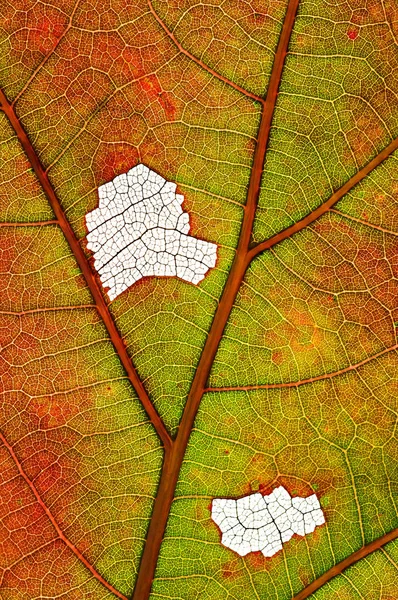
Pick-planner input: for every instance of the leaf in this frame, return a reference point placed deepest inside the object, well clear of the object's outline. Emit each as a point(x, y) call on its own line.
point(123, 420)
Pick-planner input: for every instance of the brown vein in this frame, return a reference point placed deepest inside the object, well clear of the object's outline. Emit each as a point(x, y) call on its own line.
point(362, 222)
point(173, 460)
point(323, 208)
point(344, 564)
point(88, 274)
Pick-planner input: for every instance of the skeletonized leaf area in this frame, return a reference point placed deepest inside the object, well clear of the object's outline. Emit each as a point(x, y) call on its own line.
point(263, 523)
point(140, 229)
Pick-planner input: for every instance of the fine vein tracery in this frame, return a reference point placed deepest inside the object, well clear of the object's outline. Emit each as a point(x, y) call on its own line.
point(174, 450)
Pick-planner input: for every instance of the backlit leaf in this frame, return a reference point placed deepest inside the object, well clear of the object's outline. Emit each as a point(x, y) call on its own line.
point(122, 420)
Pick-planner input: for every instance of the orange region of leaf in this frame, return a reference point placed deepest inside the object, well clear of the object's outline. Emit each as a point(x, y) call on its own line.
point(295, 487)
point(24, 525)
point(55, 411)
point(363, 137)
point(369, 312)
point(265, 489)
point(362, 14)
point(107, 47)
point(45, 33)
point(45, 26)
point(54, 563)
point(231, 569)
point(113, 160)
point(258, 562)
point(250, 146)
point(153, 152)
point(304, 576)
point(154, 92)
point(258, 18)
point(53, 472)
point(55, 524)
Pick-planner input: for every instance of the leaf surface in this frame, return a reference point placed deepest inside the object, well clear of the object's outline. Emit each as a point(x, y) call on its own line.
point(278, 123)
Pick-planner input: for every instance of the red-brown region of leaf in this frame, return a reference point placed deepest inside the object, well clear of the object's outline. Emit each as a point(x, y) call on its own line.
point(114, 159)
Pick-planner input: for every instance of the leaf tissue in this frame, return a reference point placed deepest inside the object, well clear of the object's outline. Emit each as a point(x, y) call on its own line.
point(198, 298)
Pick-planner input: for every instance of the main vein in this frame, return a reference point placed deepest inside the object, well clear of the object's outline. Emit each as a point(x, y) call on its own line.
point(173, 459)
point(88, 274)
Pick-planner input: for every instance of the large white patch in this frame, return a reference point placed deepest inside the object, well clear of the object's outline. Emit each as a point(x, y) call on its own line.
point(263, 523)
point(139, 229)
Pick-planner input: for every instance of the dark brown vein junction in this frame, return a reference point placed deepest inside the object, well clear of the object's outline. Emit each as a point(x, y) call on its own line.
point(173, 459)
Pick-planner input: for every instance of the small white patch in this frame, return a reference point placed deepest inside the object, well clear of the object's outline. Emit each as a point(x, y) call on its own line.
point(139, 229)
point(263, 523)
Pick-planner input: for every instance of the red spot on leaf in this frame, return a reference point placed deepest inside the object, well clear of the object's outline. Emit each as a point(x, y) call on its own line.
point(250, 146)
point(304, 575)
point(258, 18)
point(352, 34)
point(143, 290)
point(256, 559)
point(277, 357)
point(154, 92)
point(258, 562)
point(231, 569)
point(45, 33)
point(57, 411)
point(296, 487)
point(265, 490)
